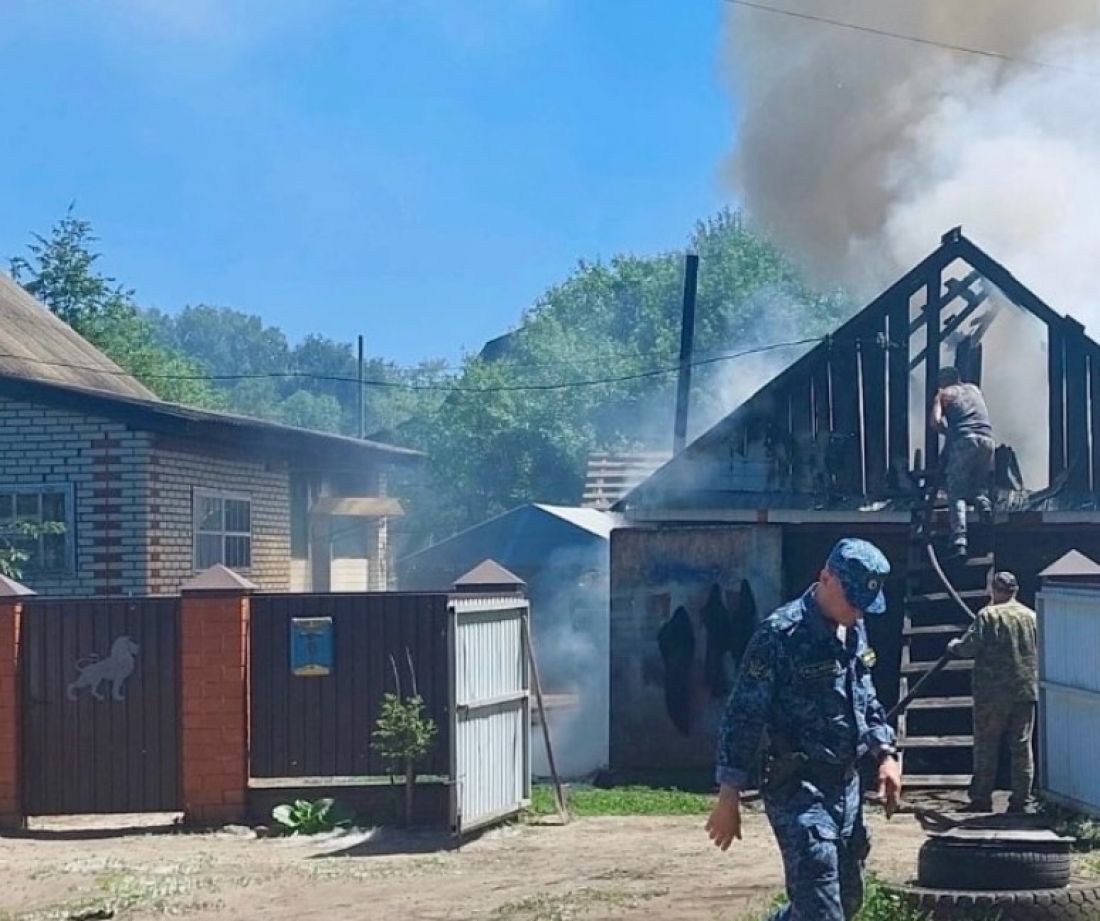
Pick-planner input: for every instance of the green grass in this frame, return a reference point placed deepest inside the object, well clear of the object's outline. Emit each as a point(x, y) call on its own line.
point(878, 905)
point(623, 801)
point(1074, 825)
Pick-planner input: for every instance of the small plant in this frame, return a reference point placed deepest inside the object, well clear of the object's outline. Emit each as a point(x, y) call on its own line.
point(404, 736)
point(305, 818)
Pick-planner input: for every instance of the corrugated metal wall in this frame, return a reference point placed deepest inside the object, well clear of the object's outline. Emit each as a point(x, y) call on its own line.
point(321, 727)
point(1069, 696)
point(491, 757)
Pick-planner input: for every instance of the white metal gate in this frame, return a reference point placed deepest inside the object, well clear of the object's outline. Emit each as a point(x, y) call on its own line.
point(491, 732)
point(1069, 695)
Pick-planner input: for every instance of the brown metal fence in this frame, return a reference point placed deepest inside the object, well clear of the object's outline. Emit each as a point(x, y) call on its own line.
point(100, 683)
point(321, 726)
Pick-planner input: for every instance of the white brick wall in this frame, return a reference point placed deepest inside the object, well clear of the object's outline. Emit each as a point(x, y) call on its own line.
point(104, 463)
point(132, 500)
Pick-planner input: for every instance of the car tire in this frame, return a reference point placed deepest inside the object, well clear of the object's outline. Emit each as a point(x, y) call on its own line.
point(1079, 901)
point(951, 865)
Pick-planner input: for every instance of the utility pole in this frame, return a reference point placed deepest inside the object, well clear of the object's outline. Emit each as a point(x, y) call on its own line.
point(687, 345)
point(359, 404)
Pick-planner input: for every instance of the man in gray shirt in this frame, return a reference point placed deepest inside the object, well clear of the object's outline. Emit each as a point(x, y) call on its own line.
point(959, 411)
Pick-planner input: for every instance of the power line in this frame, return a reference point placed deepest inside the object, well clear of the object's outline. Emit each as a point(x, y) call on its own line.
point(443, 388)
point(900, 36)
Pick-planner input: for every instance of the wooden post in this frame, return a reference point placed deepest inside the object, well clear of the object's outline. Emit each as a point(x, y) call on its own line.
point(931, 366)
point(1056, 381)
point(687, 341)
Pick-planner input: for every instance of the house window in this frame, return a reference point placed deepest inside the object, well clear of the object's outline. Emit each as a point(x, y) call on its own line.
point(48, 510)
point(223, 529)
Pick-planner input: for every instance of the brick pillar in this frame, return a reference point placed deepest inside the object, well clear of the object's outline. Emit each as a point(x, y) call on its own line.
point(214, 674)
point(12, 595)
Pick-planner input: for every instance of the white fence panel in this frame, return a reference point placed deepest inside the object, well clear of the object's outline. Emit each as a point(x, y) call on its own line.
point(1069, 695)
point(492, 712)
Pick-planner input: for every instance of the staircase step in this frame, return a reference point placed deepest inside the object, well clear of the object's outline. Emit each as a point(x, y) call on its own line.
point(941, 703)
point(971, 561)
point(936, 742)
point(910, 630)
point(936, 780)
point(937, 597)
point(958, 665)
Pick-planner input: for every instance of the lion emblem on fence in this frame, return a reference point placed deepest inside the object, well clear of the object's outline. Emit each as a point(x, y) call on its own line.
point(92, 671)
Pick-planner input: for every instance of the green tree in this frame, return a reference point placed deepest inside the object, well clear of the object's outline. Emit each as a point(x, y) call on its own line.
point(61, 272)
point(491, 447)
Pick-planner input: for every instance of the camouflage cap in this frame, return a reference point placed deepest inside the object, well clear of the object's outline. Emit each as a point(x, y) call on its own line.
point(862, 570)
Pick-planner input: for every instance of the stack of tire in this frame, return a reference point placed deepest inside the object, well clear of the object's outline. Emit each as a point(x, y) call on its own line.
point(971, 877)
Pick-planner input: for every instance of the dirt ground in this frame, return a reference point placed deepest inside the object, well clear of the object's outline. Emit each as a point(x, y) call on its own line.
point(653, 868)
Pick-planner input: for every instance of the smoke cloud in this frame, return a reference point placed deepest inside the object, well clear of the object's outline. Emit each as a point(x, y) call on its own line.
point(857, 151)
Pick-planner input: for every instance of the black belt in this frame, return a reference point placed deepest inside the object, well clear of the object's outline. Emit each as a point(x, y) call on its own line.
point(797, 766)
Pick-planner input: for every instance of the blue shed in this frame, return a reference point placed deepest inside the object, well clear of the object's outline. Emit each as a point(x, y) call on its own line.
point(562, 553)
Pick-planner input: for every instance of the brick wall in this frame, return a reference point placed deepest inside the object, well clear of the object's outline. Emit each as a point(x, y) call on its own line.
point(106, 467)
point(176, 469)
point(214, 702)
point(132, 500)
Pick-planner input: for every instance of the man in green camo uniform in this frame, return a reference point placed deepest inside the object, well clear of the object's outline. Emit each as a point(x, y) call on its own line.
point(1003, 643)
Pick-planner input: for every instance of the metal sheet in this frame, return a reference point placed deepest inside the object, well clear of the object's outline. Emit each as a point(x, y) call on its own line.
point(1069, 708)
point(101, 706)
point(492, 761)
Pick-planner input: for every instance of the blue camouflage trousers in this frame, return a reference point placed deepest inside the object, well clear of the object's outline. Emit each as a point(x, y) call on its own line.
point(824, 843)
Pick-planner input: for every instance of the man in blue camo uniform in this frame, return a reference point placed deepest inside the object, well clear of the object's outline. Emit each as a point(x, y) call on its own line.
point(805, 689)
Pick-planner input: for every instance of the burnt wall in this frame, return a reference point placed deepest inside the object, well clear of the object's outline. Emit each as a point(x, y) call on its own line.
point(684, 601)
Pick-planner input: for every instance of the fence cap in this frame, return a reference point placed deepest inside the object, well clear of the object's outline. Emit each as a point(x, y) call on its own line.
point(1074, 565)
point(219, 578)
point(9, 588)
point(489, 576)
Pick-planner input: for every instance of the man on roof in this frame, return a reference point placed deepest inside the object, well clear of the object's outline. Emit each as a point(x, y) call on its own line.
point(960, 413)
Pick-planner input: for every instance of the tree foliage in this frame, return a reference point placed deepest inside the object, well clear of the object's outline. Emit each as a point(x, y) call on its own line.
point(61, 272)
point(494, 449)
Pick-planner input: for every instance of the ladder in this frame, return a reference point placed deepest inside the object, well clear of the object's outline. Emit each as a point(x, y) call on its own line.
point(935, 732)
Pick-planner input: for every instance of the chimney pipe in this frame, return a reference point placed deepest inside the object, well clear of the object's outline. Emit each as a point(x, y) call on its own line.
point(687, 345)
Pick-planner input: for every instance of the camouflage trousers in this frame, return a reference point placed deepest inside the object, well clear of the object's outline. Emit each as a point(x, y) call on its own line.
point(968, 470)
point(824, 844)
point(995, 720)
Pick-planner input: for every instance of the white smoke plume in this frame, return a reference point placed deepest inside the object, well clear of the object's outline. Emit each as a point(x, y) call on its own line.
point(858, 150)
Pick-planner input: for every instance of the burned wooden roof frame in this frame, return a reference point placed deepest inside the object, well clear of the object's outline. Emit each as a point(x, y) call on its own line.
point(840, 413)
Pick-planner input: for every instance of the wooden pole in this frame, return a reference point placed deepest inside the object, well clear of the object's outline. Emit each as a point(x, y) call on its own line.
point(559, 795)
point(359, 394)
point(687, 345)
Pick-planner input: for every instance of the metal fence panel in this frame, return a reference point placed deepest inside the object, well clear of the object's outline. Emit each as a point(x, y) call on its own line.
point(100, 682)
point(321, 726)
point(1069, 696)
point(492, 745)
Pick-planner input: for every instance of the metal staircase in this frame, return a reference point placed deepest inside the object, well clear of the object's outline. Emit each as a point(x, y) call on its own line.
point(935, 732)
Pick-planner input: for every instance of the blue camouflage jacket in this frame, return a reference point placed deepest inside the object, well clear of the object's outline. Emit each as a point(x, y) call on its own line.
point(801, 684)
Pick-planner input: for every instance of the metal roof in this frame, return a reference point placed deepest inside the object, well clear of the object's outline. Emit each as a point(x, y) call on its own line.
point(204, 425)
point(36, 345)
point(591, 520)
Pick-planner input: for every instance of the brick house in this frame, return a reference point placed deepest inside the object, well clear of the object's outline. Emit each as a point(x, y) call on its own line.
point(149, 493)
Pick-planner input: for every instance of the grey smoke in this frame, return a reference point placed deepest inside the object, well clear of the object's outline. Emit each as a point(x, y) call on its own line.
point(857, 151)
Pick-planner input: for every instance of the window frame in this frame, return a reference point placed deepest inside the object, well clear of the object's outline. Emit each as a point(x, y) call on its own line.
point(222, 495)
point(68, 494)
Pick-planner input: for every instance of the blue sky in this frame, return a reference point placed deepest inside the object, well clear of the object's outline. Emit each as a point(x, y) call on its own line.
point(415, 170)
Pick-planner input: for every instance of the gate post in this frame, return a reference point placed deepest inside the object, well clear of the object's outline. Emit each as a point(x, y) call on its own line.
point(12, 595)
point(214, 619)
